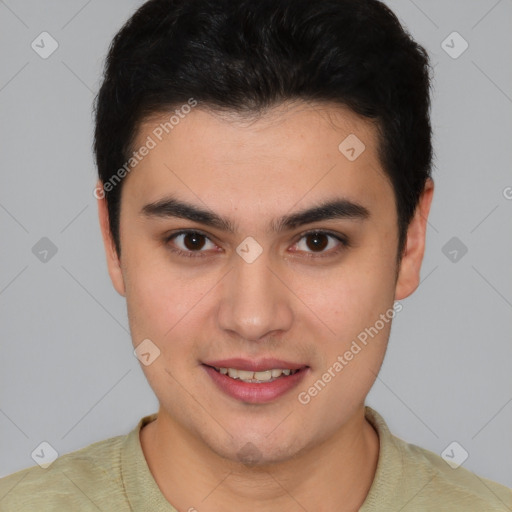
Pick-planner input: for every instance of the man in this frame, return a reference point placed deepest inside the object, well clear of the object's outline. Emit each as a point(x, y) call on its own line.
point(263, 198)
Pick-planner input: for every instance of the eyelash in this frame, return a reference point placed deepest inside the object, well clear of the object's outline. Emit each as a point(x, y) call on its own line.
point(198, 254)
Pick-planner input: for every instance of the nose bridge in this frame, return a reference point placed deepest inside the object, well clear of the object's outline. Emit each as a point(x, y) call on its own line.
point(254, 301)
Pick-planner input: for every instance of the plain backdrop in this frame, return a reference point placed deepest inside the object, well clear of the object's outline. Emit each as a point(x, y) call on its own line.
point(68, 375)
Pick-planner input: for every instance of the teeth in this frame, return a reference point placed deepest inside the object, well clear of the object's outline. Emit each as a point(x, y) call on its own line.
point(247, 376)
point(233, 373)
point(241, 374)
point(263, 376)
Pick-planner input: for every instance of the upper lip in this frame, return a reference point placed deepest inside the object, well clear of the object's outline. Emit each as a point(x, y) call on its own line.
point(252, 365)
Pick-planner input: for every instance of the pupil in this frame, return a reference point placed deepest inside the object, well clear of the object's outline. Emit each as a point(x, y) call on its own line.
point(195, 243)
point(317, 244)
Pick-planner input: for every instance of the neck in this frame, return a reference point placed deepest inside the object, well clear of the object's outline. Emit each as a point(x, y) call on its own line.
point(334, 475)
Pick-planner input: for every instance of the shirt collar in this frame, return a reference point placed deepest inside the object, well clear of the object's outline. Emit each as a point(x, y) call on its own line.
point(144, 494)
point(140, 487)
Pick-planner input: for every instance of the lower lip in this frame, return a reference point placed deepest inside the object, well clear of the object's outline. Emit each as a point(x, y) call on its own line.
point(252, 392)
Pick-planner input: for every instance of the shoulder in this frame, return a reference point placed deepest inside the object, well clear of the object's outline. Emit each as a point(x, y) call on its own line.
point(460, 488)
point(415, 478)
point(80, 480)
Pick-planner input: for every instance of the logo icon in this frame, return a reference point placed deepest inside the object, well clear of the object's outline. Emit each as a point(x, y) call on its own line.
point(44, 455)
point(454, 455)
point(249, 249)
point(44, 250)
point(454, 45)
point(352, 147)
point(146, 352)
point(454, 249)
point(44, 45)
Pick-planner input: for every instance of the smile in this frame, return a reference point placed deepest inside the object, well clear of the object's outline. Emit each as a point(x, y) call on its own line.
point(262, 376)
point(255, 387)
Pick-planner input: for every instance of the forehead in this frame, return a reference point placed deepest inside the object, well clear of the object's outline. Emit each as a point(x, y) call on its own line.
point(288, 122)
point(291, 153)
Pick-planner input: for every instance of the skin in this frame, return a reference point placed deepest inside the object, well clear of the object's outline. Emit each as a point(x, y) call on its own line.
point(320, 456)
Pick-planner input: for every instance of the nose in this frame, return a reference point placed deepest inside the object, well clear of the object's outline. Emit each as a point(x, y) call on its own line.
point(255, 303)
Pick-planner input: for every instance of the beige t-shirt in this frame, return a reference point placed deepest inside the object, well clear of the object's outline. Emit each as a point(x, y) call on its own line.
point(112, 475)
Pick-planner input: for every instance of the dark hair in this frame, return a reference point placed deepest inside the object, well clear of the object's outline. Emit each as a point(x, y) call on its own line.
point(245, 56)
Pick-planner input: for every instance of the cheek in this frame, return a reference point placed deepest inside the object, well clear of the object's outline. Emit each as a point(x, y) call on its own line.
point(153, 302)
point(359, 291)
point(163, 301)
point(149, 303)
point(359, 294)
point(161, 308)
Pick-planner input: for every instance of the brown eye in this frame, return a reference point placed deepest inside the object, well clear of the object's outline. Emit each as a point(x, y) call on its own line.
point(317, 241)
point(321, 243)
point(189, 243)
point(193, 241)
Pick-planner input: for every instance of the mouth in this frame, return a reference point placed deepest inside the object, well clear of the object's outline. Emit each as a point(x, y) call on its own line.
point(269, 375)
point(261, 385)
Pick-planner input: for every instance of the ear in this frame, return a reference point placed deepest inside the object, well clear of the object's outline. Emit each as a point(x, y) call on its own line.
point(113, 261)
point(410, 266)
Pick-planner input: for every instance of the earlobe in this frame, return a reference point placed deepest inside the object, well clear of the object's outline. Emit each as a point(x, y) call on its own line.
point(410, 266)
point(113, 262)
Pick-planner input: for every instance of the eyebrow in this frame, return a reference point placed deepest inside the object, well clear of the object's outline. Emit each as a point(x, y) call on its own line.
point(338, 208)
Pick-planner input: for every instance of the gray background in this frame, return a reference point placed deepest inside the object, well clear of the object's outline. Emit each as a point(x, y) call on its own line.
point(67, 371)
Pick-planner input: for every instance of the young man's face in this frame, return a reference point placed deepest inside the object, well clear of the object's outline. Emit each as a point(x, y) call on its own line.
point(261, 292)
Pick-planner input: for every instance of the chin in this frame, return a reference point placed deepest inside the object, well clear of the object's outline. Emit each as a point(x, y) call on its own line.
point(258, 452)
